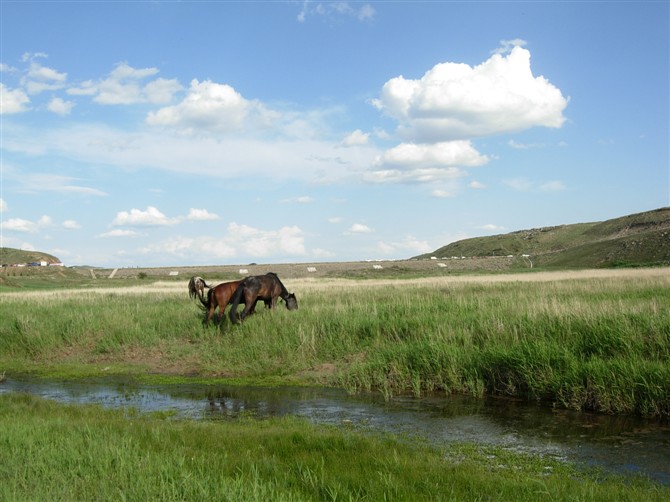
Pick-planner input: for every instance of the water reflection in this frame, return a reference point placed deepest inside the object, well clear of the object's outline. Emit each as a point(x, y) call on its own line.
point(621, 444)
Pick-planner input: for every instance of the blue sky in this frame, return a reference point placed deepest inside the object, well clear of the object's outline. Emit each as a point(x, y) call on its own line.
point(194, 133)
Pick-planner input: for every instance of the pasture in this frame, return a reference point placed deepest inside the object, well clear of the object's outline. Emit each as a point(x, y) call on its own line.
point(591, 340)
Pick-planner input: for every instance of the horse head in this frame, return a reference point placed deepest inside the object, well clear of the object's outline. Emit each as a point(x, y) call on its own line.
point(291, 302)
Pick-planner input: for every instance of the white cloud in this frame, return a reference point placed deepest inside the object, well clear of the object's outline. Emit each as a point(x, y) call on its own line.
point(421, 175)
point(19, 225)
point(45, 182)
point(124, 86)
point(456, 101)
point(258, 243)
point(119, 233)
point(26, 226)
point(304, 199)
point(443, 154)
point(40, 78)
point(331, 10)
point(201, 215)
point(424, 163)
point(217, 156)
point(60, 107)
point(355, 138)
point(152, 217)
point(71, 225)
point(523, 146)
point(238, 240)
point(441, 194)
point(477, 185)
point(211, 107)
point(359, 228)
point(409, 243)
point(3, 206)
point(490, 227)
point(12, 100)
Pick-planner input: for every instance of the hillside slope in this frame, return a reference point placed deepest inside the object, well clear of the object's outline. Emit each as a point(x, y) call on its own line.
point(633, 240)
point(11, 256)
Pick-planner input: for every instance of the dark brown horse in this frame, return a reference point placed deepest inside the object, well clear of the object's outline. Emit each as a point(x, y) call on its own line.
point(266, 287)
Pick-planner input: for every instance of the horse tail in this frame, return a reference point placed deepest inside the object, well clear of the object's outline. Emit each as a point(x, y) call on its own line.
point(206, 303)
point(235, 301)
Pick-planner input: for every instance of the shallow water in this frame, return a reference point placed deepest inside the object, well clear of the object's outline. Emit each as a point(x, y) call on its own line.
point(626, 445)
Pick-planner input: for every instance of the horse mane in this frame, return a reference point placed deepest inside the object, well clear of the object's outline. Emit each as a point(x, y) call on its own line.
point(284, 292)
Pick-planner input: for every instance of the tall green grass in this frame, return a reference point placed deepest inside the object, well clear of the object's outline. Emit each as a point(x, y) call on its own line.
point(66, 453)
point(593, 344)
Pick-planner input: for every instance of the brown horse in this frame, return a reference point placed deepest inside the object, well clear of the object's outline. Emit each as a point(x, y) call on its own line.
point(218, 296)
point(266, 287)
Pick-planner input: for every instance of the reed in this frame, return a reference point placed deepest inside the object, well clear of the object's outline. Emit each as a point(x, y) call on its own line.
point(598, 342)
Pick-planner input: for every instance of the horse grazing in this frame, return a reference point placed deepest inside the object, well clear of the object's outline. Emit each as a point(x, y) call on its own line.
point(196, 287)
point(266, 287)
point(218, 296)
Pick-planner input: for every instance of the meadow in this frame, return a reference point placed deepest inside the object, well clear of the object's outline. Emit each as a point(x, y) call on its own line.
point(595, 340)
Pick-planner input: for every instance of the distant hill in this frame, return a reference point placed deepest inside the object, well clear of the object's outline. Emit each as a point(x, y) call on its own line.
point(636, 240)
point(11, 256)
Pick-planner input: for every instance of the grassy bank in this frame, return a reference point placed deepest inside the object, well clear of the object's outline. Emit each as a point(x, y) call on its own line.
point(599, 343)
point(57, 452)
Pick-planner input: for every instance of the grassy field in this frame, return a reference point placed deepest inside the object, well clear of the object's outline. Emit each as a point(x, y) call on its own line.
point(56, 452)
point(591, 340)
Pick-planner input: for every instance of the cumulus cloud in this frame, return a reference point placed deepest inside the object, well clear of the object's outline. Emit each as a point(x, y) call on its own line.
point(201, 215)
point(422, 163)
point(456, 101)
point(152, 217)
point(71, 225)
point(41, 78)
point(26, 226)
point(126, 85)
point(3, 206)
point(12, 100)
point(60, 107)
point(355, 138)
point(359, 228)
point(19, 225)
point(444, 154)
point(213, 107)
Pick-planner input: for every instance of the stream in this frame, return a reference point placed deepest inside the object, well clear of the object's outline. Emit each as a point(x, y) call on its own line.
point(622, 444)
